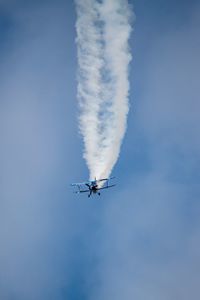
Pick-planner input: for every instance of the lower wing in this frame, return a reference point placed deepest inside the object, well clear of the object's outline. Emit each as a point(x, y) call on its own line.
point(107, 187)
point(83, 191)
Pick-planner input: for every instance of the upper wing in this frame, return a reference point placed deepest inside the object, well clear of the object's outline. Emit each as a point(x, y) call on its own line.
point(79, 183)
point(88, 182)
point(81, 187)
point(105, 179)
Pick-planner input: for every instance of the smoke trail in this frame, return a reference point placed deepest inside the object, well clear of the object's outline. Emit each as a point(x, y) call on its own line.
point(103, 29)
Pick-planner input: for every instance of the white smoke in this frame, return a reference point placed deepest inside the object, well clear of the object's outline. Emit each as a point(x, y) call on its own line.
point(103, 30)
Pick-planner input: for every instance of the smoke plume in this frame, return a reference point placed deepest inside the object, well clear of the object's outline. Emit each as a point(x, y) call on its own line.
point(103, 30)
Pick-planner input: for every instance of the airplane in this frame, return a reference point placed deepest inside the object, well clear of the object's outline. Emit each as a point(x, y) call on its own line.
point(93, 186)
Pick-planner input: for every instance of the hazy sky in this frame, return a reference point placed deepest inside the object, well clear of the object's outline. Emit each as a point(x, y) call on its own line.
point(138, 241)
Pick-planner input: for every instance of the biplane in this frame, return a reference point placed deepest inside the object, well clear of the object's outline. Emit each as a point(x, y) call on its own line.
point(93, 186)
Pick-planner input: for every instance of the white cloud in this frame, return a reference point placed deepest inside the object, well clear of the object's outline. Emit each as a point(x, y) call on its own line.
point(151, 229)
point(35, 125)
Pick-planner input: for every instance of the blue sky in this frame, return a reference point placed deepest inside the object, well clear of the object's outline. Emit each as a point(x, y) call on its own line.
point(138, 241)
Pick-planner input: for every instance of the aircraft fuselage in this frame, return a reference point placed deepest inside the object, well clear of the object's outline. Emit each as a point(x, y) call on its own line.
point(93, 188)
